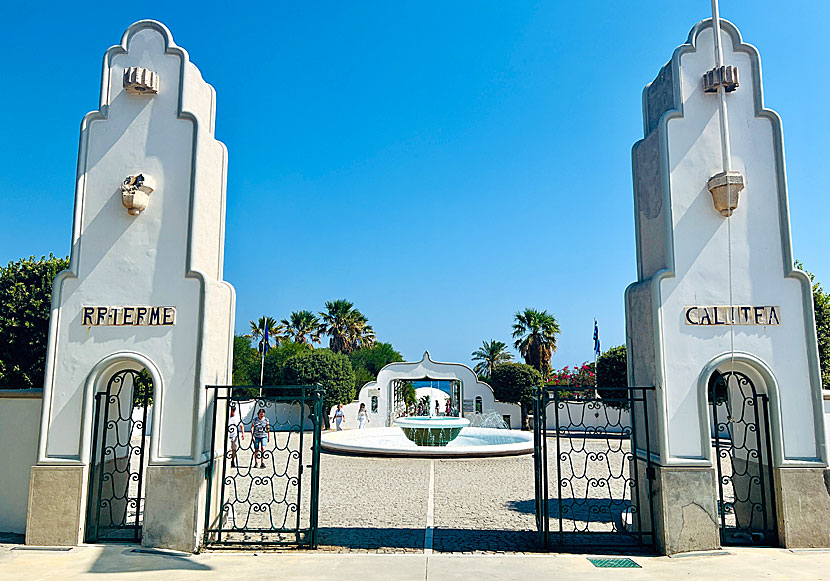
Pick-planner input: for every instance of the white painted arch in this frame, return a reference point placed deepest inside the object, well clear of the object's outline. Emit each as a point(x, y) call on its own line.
point(426, 368)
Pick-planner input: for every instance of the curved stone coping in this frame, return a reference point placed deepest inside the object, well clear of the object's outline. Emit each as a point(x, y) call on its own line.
point(392, 442)
point(427, 422)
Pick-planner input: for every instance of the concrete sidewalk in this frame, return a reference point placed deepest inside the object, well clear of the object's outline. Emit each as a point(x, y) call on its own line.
point(122, 561)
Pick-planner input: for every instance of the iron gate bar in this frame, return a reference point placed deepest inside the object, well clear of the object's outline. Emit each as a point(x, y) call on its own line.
point(643, 532)
point(94, 531)
point(309, 400)
point(755, 403)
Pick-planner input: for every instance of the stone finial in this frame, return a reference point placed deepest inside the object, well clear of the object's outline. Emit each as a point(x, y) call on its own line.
point(138, 81)
point(135, 193)
point(725, 76)
point(725, 187)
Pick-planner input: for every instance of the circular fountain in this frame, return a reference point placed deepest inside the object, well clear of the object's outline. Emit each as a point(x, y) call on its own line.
point(431, 430)
point(431, 437)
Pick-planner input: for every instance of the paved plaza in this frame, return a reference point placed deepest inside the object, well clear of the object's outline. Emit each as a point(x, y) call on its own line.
point(412, 505)
point(398, 518)
point(130, 562)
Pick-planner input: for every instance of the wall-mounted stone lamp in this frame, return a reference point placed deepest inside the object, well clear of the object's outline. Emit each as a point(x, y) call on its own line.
point(725, 187)
point(135, 193)
point(138, 81)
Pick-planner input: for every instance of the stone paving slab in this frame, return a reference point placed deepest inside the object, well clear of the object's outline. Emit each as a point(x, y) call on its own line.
point(120, 562)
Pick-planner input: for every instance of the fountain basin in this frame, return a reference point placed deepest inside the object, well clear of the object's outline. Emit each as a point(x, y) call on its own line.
point(470, 443)
point(431, 431)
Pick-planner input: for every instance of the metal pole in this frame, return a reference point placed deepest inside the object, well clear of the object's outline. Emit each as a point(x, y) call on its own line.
point(726, 150)
point(262, 370)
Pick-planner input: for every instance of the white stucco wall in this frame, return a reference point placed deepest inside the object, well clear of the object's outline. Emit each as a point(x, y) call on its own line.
point(169, 255)
point(692, 245)
point(19, 429)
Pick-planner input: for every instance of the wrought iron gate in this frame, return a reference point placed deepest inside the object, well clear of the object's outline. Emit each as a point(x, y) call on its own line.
point(741, 441)
point(601, 469)
point(115, 506)
point(260, 491)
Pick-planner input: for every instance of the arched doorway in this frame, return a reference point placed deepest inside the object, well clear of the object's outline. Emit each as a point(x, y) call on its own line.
point(743, 458)
point(120, 452)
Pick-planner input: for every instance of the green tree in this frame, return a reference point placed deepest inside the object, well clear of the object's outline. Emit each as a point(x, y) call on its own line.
point(821, 306)
point(245, 365)
point(535, 334)
point(25, 305)
point(142, 384)
point(303, 327)
point(375, 358)
point(276, 358)
point(516, 383)
point(258, 332)
point(612, 371)
point(331, 370)
point(490, 354)
point(368, 361)
point(346, 326)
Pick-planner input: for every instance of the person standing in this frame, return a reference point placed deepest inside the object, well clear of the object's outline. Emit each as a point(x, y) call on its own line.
point(236, 429)
point(339, 417)
point(362, 417)
point(261, 433)
point(437, 407)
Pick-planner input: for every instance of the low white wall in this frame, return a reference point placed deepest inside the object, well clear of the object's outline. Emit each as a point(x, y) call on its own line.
point(281, 416)
point(19, 431)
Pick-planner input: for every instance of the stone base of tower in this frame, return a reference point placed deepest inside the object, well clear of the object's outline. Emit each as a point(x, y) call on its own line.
point(57, 503)
point(803, 506)
point(174, 510)
point(685, 517)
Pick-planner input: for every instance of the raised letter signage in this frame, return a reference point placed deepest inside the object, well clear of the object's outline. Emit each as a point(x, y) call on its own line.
point(737, 315)
point(140, 316)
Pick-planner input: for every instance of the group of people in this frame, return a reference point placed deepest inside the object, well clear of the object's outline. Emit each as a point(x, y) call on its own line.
point(339, 417)
point(422, 409)
point(260, 433)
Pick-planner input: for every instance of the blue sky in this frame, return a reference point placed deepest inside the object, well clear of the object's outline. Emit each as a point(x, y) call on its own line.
point(441, 164)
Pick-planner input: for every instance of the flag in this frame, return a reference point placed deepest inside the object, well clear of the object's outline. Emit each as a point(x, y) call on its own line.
point(596, 339)
point(265, 343)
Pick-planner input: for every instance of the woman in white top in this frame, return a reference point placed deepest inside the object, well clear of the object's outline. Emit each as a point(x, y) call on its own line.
point(339, 417)
point(362, 417)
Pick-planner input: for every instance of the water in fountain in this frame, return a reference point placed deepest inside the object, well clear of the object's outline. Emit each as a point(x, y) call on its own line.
point(489, 419)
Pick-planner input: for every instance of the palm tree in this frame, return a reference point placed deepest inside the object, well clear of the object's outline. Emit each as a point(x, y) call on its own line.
point(303, 327)
point(258, 331)
point(346, 326)
point(490, 354)
point(535, 333)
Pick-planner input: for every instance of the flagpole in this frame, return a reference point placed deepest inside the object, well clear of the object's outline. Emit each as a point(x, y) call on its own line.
point(262, 371)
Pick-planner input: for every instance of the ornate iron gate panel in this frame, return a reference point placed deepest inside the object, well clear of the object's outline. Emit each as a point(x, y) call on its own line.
point(741, 442)
point(264, 481)
point(115, 507)
point(601, 469)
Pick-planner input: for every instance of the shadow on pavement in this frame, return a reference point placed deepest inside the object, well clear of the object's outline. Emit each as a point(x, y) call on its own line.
point(587, 510)
point(448, 540)
point(369, 538)
point(121, 559)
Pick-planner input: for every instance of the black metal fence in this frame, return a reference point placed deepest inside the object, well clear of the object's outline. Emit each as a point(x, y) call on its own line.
point(263, 485)
point(115, 504)
point(596, 462)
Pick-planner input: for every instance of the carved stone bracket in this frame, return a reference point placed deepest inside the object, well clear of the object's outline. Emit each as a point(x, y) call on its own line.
point(138, 81)
point(725, 76)
point(135, 193)
point(725, 187)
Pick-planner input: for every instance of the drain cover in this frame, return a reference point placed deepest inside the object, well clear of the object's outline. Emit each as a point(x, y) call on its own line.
point(625, 563)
